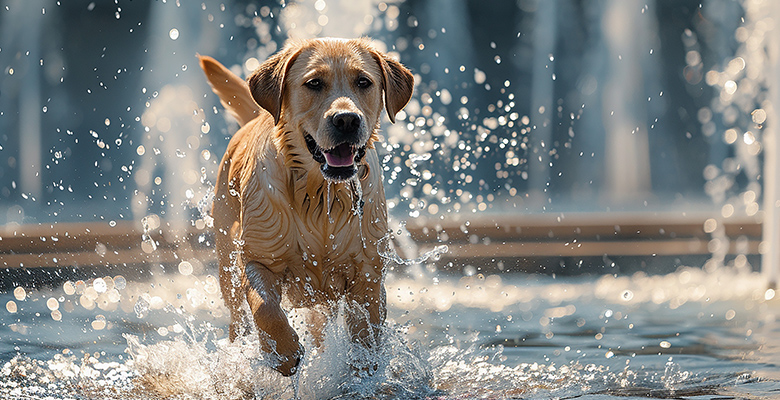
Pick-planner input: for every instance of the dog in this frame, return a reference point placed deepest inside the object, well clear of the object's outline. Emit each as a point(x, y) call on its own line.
point(299, 206)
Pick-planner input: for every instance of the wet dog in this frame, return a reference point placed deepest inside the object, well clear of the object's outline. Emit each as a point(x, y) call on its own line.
point(299, 206)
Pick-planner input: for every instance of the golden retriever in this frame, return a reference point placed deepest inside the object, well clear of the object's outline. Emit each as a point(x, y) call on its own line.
point(299, 205)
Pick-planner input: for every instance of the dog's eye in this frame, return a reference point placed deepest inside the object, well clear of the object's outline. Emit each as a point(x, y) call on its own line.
point(364, 82)
point(314, 84)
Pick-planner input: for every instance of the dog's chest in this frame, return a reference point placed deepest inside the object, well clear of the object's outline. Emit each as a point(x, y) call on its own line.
point(330, 227)
point(317, 230)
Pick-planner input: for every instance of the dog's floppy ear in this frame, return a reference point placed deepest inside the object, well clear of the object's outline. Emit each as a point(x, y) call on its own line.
point(397, 82)
point(267, 82)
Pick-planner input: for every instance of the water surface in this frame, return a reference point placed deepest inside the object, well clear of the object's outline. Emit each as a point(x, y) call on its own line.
point(691, 334)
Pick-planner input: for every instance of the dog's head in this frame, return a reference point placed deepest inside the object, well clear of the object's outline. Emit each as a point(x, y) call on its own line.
point(331, 92)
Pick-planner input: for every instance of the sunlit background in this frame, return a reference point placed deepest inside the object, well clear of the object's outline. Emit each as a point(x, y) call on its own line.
point(628, 144)
point(519, 106)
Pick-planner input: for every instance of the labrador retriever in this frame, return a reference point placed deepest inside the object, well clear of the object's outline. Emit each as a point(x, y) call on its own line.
point(299, 205)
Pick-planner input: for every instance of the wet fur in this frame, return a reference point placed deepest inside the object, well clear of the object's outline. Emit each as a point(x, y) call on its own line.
point(274, 234)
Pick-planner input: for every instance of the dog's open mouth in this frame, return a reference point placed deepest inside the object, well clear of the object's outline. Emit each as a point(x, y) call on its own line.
point(338, 163)
point(342, 155)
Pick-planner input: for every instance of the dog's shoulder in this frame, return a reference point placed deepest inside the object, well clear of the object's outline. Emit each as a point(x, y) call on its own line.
point(252, 149)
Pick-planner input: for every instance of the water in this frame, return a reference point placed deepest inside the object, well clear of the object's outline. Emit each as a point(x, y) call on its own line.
point(690, 334)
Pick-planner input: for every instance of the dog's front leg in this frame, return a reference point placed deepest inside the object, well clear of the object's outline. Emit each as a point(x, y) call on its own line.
point(366, 313)
point(277, 337)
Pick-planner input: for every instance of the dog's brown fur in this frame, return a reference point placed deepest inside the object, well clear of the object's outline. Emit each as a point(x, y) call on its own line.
point(274, 233)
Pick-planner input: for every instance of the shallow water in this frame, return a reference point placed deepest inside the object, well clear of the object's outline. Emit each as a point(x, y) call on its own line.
point(690, 334)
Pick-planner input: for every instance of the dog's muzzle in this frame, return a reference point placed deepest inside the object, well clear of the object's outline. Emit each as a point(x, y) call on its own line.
point(338, 163)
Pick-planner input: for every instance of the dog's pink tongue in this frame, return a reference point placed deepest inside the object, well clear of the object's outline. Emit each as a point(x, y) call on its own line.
point(341, 156)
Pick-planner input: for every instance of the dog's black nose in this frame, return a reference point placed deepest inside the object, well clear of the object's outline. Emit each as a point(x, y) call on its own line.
point(346, 122)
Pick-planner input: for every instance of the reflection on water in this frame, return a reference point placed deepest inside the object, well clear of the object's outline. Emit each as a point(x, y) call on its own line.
point(686, 334)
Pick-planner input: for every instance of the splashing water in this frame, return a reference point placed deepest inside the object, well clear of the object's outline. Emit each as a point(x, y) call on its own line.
point(388, 253)
point(141, 307)
point(149, 223)
point(205, 203)
point(327, 201)
point(357, 206)
point(235, 268)
point(207, 368)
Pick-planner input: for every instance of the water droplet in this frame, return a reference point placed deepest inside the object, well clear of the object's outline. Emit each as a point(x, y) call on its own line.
point(120, 282)
point(100, 285)
point(710, 225)
point(69, 288)
point(99, 323)
point(759, 116)
point(185, 268)
point(52, 304)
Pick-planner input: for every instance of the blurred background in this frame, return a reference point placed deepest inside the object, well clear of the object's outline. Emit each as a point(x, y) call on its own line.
point(526, 114)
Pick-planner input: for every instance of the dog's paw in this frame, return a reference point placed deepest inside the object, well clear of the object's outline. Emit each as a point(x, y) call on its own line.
point(288, 364)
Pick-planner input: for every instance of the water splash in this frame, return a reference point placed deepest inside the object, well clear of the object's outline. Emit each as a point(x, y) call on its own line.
point(205, 203)
point(674, 375)
point(204, 367)
point(235, 268)
point(149, 222)
point(141, 307)
point(387, 252)
point(327, 201)
point(357, 206)
point(181, 368)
